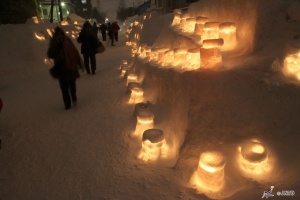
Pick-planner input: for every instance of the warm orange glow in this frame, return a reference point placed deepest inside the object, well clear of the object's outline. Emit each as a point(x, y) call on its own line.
point(35, 20)
point(199, 26)
point(124, 68)
point(210, 31)
point(136, 95)
point(75, 22)
point(210, 53)
point(123, 62)
point(50, 32)
point(153, 143)
point(48, 61)
point(168, 58)
point(179, 56)
point(142, 108)
point(64, 23)
point(145, 120)
point(131, 78)
point(190, 25)
point(253, 159)
point(228, 33)
point(212, 43)
point(176, 20)
point(192, 59)
point(39, 36)
point(210, 173)
point(292, 65)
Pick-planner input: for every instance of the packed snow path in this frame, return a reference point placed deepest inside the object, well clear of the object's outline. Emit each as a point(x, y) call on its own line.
point(50, 153)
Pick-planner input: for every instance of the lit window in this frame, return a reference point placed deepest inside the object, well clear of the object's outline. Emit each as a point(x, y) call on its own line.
point(83, 1)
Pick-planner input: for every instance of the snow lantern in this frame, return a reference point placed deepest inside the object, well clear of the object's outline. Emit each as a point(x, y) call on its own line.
point(210, 53)
point(153, 142)
point(142, 108)
point(291, 65)
point(145, 120)
point(64, 23)
point(136, 95)
point(168, 58)
point(177, 17)
point(253, 158)
point(131, 77)
point(50, 32)
point(124, 68)
point(123, 62)
point(210, 172)
point(161, 55)
point(179, 56)
point(40, 36)
point(35, 19)
point(183, 18)
point(192, 61)
point(210, 31)
point(144, 50)
point(227, 31)
point(132, 85)
point(157, 53)
point(190, 25)
point(199, 26)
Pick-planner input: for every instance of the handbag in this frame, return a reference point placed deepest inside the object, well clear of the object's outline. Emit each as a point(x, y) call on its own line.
point(100, 48)
point(55, 72)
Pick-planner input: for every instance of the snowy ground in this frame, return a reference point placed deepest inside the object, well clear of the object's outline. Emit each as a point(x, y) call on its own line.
point(89, 153)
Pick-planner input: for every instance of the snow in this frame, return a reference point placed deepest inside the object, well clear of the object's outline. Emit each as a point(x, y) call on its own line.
point(89, 152)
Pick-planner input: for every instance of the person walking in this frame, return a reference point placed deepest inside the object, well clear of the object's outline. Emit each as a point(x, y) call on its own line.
point(115, 29)
point(89, 43)
point(95, 29)
point(110, 33)
point(67, 61)
point(103, 29)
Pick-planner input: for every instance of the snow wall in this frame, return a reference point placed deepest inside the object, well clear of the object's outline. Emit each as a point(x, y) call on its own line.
point(215, 109)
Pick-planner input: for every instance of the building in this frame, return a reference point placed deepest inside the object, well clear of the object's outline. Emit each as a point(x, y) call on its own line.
point(45, 6)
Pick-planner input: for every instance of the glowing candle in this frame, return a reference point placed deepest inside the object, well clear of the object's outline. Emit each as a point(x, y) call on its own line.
point(253, 158)
point(291, 67)
point(210, 53)
point(210, 172)
point(190, 25)
point(192, 59)
point(145, 120)
point(123, 62)
point(136, 95)
point(35, 20)
point(199, 26)
point(168, 58)
point(153, 142)
point(142, 108)
point(179, 56)
point(124, 68)
point(210, 31)
point(131, 77)
point(227, 31)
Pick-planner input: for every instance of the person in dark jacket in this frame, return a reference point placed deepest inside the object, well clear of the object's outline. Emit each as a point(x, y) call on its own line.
point(67, 60)
point(103, 29)
point(95, 29)
point(89, 44)
point(115, 29)
point(110, 33)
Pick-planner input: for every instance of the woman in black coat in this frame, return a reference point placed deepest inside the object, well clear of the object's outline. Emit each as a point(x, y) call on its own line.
point(89, 43)
point(67, 61)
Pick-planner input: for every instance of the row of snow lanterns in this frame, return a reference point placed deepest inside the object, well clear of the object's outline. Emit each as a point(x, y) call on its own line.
point(203, 29)
point(153, 141)
point(253, 161)
point(207, 56)
point(253, 157)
